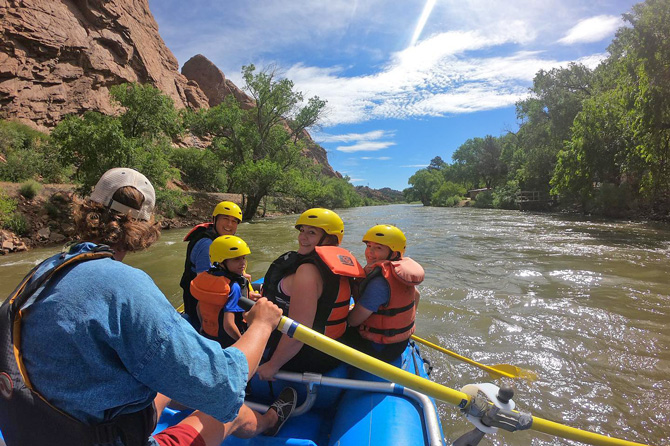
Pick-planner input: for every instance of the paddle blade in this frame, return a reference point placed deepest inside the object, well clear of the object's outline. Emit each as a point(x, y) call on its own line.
point(517, 372)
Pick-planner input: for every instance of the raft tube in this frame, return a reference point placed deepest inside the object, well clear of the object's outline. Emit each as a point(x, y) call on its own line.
point(345, 407)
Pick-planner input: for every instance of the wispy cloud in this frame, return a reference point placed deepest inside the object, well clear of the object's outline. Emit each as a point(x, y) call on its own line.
point(351, 137)
point(593, 29)
point(367, 146)
point(444, 74)
point(464, 57)
point(414, 166)
point(379, 158)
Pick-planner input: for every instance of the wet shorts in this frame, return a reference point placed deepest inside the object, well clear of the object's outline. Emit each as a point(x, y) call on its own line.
point(179, 435)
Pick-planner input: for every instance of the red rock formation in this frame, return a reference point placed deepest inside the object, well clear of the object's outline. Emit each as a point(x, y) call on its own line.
point(61, 57)
point(213, 82)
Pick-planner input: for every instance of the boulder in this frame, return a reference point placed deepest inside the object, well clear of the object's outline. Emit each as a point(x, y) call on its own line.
point(213, 82)
point(61, 57)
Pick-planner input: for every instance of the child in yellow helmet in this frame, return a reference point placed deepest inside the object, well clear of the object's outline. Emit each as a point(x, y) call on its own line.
point(219, 289)
point(225, 219)
point(383, 318)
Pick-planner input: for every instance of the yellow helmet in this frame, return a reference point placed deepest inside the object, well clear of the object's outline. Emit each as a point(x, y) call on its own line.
point(228, 208)
point(325, 219)
point(387, 235)
point(227, 247)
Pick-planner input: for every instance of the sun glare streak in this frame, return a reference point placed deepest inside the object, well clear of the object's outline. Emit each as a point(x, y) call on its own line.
point(427, 9)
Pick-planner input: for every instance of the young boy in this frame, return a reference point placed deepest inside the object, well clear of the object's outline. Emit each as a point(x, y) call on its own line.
point(218, 291)
point(385, 311)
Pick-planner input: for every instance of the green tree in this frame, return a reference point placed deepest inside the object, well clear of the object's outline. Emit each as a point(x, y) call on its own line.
point(140, 138)
point(546, 119)
point(262, 145)
point(424, 184)
point(448, 194)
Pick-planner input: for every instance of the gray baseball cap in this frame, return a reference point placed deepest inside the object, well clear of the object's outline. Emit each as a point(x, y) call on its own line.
point(115, 179)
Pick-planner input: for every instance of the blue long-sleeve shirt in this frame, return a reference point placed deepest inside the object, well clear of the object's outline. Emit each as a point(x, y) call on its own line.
point(105, 339)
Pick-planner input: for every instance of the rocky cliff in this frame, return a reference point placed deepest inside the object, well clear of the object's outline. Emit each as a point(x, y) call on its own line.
point(61, 56)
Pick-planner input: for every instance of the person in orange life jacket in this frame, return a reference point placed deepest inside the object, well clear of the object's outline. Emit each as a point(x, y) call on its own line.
point(118, 341)
point(383, 317)
point(218, 290)
point(225, 219)
point(304, 284)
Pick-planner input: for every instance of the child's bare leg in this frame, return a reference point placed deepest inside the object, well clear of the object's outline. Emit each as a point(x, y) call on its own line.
point(247, 424)
point(161, 402)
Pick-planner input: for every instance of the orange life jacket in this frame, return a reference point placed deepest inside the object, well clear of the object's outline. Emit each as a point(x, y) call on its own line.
point(212, 289)
point(393, 322)
point(343, 264)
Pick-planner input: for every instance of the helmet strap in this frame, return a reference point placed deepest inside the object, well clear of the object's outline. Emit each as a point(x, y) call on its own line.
point(394, 255)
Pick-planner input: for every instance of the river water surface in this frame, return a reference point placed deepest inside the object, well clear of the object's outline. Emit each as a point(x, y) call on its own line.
point(583, 304)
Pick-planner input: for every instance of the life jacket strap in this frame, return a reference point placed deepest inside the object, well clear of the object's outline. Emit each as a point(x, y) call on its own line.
point(389, 332)
point(336, 321)
point(394, 311)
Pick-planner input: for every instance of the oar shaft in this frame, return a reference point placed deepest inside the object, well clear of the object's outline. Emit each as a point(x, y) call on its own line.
point(462, 358)
point(443, 393)
point(370, 364)
point(571, 433)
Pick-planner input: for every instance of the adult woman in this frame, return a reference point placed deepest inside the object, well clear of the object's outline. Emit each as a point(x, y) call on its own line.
point(304, 285)
point(383, 318)
point(98, 340)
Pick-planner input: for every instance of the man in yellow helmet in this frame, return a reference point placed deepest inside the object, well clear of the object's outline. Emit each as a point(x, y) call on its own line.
point(383, 318)
point(225, 218)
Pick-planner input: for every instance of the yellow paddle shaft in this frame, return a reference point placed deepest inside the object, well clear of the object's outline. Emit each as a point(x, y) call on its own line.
point(425, 386)
point(463, 358)
point(372, 365)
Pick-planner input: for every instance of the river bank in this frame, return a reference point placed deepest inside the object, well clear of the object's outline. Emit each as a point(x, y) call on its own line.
point(49, 215)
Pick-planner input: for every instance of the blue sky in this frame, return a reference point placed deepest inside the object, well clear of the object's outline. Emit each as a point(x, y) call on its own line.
point(405, 80)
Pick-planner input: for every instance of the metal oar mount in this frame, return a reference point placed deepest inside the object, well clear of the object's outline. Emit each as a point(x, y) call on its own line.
point(495, 371)
point(475, 407)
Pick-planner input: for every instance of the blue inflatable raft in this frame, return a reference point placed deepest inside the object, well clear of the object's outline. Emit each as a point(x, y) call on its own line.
point(345, 407)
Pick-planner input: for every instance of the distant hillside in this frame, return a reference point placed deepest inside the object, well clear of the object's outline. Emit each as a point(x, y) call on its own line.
point(386, 194)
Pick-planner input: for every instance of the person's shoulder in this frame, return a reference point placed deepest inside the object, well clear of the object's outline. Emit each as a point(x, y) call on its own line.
point(111, 271)
point(307, 268)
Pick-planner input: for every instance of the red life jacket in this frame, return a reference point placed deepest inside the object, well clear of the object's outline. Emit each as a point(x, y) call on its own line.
point(395, 321)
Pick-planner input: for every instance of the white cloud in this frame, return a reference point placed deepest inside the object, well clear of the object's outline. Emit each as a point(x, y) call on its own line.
point(415, 165)
point(444, 74)
point(379, 158)
point(593, 29)
point(356, 180)
point(366, 146)
point(473, 56)
point(351, 137)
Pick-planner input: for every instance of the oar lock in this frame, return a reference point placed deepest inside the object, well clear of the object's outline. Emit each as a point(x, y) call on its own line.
point(491, 407)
